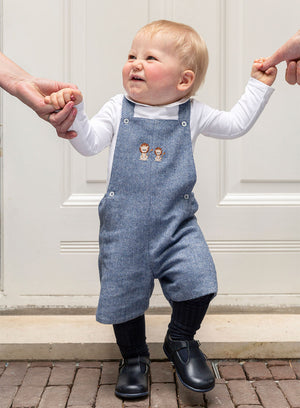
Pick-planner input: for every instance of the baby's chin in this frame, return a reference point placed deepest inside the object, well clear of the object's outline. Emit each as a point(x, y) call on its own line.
point(149, 101)
point(143, 101)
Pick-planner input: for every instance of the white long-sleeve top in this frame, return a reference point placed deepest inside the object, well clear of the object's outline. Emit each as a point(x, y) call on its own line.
point(101, 131)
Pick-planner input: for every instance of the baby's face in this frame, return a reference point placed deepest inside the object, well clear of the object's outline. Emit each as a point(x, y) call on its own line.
point(153, 72)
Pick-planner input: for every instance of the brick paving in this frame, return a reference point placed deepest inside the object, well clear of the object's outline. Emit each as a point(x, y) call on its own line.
point(91, 384)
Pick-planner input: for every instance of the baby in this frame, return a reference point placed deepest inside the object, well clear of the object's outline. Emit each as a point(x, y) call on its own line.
point(148, 228)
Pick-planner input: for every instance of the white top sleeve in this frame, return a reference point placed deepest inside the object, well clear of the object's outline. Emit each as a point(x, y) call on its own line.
point(238, 121)
point(96, 134)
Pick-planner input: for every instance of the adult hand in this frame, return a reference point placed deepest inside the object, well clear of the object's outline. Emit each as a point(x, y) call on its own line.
point(289, 52)
point(32, 92)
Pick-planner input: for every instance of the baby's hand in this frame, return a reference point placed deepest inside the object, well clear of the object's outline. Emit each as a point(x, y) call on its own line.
point(59, 99)
point(267, 77)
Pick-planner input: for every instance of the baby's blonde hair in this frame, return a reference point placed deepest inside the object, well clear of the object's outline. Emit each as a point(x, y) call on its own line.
point(189, 45)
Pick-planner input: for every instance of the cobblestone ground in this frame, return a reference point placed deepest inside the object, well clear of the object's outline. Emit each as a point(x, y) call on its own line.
point(247, 384)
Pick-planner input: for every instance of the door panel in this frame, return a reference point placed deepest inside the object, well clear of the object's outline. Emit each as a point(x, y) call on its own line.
point(248, 189)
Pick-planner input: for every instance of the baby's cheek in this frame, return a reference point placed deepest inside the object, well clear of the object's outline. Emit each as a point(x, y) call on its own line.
point(125, 72)
point(156, 76)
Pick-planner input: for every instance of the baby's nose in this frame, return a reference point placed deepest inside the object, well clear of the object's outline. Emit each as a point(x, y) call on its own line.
point(138, 65)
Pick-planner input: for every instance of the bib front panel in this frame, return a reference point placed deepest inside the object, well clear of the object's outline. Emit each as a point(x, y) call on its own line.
point(148, 227)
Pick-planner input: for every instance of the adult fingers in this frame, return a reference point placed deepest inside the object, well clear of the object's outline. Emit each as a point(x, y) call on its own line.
point(57, 118)
point(63, 120)
point(292, 73)
point(296, 73)
point(67, 123)
point(271, 61)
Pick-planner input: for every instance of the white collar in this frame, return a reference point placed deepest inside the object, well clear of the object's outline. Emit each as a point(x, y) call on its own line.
point(169, 105)
point(165, 112)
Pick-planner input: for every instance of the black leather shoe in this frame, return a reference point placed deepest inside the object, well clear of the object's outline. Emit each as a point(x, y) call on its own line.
point(133, 378)
point(190, 364)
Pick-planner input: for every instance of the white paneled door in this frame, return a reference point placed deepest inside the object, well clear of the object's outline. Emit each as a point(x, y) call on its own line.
point(248, 189)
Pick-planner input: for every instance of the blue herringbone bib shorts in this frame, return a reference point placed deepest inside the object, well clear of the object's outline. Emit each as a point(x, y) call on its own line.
point(148, 227)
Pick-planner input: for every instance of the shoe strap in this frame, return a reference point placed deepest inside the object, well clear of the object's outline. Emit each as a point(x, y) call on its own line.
point(135, 360)
point(177, 345)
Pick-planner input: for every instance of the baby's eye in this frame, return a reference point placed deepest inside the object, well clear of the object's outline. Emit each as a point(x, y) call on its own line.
point(151, 58)
point(131, 57)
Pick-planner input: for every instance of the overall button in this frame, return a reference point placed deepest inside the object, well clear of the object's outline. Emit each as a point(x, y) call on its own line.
point(126, 121)
point(186, 196)
point(184, 123)
point(112, 193)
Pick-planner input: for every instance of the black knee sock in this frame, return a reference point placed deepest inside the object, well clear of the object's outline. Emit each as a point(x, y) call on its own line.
point(187, 317)
point(131, 338)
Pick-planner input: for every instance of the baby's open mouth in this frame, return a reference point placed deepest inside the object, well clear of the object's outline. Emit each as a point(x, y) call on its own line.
point(136, 78)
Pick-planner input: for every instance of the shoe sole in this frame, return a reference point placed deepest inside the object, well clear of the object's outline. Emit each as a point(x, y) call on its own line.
point(186, 385)
point(132, 396)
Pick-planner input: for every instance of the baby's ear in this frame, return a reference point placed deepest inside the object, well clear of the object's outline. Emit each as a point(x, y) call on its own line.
point(186, 80)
